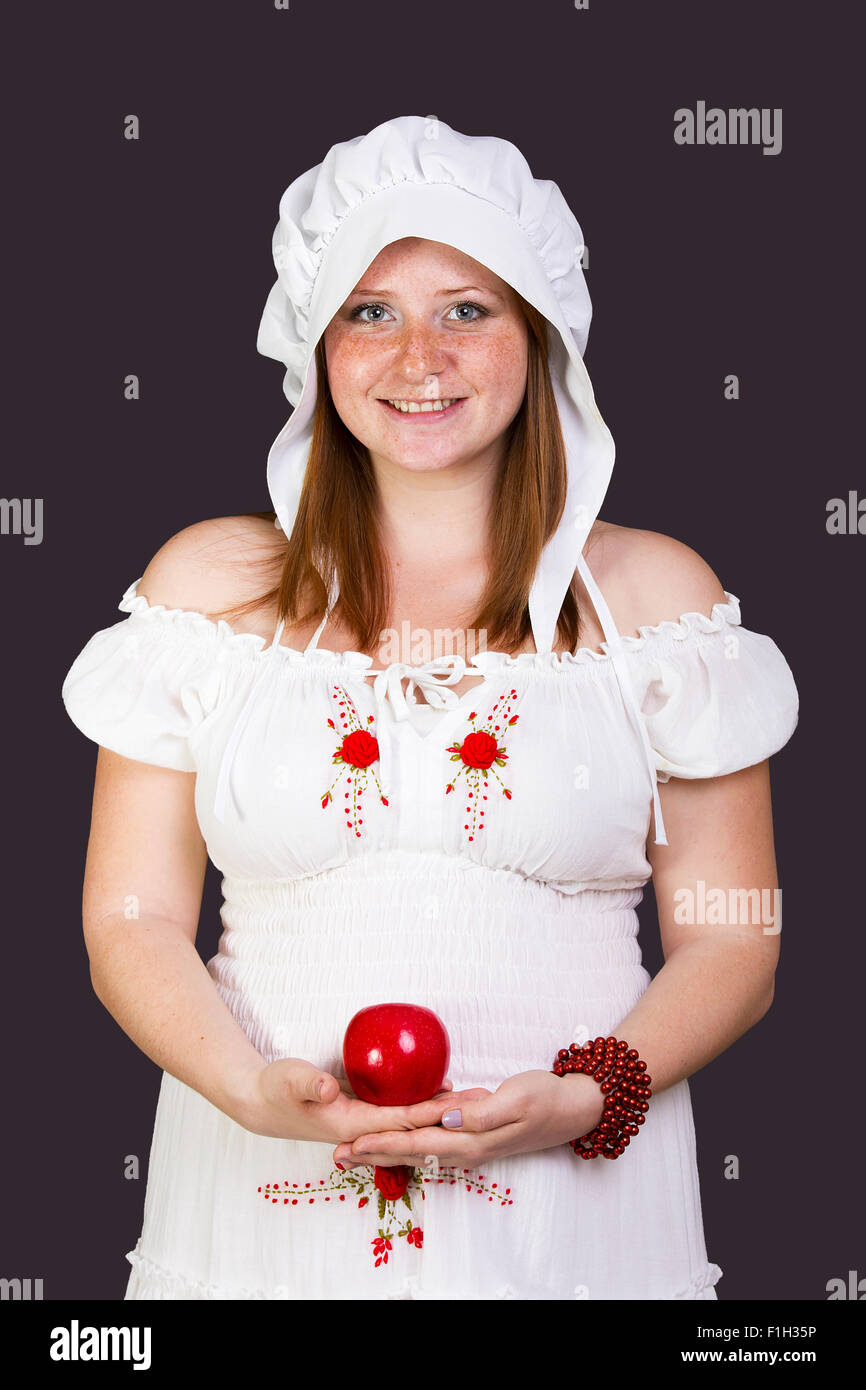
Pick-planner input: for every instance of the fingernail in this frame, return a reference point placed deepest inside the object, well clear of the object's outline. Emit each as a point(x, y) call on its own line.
point(319, 1088)
point(452, 1119)
point(339, 1164)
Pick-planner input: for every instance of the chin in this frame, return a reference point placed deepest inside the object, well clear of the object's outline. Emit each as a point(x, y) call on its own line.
point(428, 461)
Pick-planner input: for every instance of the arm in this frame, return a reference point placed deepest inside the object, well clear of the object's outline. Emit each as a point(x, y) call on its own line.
point(717, 980)
point(146, 856)
point(146, 863)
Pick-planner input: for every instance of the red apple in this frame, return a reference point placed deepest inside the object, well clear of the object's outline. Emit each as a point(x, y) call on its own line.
point(396, 1054)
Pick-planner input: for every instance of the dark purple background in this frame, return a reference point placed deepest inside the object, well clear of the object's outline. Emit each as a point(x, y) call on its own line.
point(154, 258)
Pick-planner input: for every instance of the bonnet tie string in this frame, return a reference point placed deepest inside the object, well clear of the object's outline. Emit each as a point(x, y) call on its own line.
point(620, 664)
point(269, 667)
point(617, 653)
point(388, 689)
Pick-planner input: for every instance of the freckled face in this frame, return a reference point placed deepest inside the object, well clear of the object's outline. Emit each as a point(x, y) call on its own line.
point(427, 323)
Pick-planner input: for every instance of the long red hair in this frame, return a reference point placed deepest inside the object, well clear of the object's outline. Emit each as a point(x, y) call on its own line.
point(336, 522)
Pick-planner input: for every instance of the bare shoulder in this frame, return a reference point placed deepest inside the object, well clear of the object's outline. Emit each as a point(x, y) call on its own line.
point(647, 577)
point(211, 566)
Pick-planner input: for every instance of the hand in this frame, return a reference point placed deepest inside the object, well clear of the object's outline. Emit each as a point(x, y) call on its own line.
point(533, 1110)
point(282, 1104)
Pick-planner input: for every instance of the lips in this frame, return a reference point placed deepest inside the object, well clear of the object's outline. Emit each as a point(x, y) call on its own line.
point(413, 417)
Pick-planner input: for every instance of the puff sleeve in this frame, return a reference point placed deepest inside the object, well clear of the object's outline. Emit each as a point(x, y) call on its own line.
point(716, 696)
point(143, 686)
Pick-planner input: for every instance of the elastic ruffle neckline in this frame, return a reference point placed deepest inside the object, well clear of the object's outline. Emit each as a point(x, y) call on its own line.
point(191, 622)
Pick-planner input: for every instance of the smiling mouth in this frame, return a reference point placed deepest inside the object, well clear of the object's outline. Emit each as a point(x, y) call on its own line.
point(428, 410)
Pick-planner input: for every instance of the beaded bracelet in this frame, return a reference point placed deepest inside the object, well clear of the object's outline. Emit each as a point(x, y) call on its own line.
point(623, 1078)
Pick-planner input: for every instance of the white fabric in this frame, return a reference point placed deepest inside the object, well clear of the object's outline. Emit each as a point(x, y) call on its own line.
point(517, 938)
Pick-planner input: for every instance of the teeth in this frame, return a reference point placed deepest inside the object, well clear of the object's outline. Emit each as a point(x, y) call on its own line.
point(413, 407)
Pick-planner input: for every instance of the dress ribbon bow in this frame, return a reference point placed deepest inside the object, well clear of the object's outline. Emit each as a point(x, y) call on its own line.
point(389, 684)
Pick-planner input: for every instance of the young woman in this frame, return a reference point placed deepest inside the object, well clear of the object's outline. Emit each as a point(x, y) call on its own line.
point(455, 724)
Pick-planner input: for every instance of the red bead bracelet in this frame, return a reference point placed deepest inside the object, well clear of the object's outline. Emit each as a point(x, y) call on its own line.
point(623, 1078)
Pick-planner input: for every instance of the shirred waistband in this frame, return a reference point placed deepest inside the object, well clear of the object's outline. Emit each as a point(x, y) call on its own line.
point(425, 873)
point(456, 917)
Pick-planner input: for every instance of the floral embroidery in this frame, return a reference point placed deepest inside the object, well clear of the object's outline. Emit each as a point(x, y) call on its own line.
point(357, 750)
point(478, 752)
point(390, 1185)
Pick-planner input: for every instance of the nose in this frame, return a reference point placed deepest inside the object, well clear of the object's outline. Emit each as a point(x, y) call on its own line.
point(420, 353)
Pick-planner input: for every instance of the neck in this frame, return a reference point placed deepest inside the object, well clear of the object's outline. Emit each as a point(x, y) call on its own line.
point(436, 516)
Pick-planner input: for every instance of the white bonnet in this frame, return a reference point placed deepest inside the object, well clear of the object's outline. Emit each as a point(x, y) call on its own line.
point(415, 176)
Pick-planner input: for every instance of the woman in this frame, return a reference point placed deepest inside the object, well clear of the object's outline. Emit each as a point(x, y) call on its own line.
point(416, 820)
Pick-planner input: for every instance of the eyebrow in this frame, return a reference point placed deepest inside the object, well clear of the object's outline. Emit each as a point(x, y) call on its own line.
point(460, 289)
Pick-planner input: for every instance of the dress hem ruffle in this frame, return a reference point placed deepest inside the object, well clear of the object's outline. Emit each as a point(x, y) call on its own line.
point(152, 1281)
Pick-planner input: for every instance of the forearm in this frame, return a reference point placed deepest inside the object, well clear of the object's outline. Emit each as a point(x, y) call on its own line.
point(153, 982)
point(707, 994)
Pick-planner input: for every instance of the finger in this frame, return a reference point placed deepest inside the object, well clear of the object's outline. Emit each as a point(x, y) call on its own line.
point(478, 1110)
point(401, 1147)
point(396, 1146)
point(373, 1119)
point(415, 1143)
point(448, 1147)
point(430, 1111)
point(323, 1089)
point(381, 1161)
point(425, 1112)
point(411, 1144)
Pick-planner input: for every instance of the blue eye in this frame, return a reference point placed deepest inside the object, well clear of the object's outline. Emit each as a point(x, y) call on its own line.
point(360, 309)
point(468, 304)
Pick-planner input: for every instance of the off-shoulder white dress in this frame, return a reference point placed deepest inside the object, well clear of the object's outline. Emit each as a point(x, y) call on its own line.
point(498, 891)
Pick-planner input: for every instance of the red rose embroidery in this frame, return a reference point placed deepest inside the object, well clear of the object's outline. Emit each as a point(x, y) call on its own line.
point(356, 752)
point(389, 1186)
point(481, 753)
point(392, 1182)
point(479, 750)
point(359, 748)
